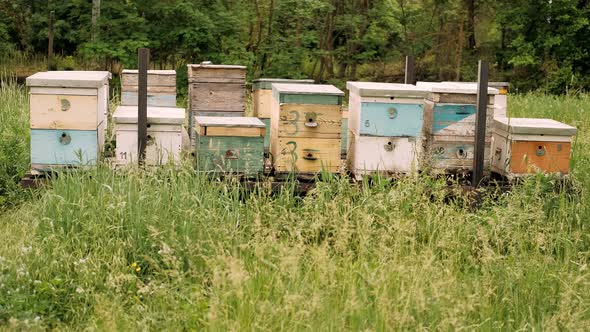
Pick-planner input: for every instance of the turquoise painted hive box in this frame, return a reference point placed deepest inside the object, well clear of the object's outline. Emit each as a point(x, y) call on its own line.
point(161, 88)
point(68, 118)
point(229, 145)
point(451, 140)
point(387, 127)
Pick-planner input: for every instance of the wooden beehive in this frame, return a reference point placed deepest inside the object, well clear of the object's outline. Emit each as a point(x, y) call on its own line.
point(68, 118)
point(449, 147)
point(164, 135)
point(262, 101)
point(216, 90)
point(230, 144)
point(523, 146)
point(161, 88)
point(387, 128)
point(500, 99)
point(306, 127)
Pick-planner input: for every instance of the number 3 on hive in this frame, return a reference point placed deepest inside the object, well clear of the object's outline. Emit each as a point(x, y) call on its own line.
point(293, 150)
point(294, 123)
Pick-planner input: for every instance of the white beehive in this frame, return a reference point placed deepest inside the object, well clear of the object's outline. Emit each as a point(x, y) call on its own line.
point(164, 134)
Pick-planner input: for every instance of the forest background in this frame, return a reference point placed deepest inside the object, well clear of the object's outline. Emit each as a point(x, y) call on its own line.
point(534, 44)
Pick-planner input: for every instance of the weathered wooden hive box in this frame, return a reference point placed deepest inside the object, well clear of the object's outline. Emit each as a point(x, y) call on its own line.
point(230, 144)
point(216, 90)
point(386, 122)
point(164, 135)
point(161, 88)
point(500, 99)
point(262, 101)
point(306, 128)
point(523, 146)
point(68, 117)
point(449, 148)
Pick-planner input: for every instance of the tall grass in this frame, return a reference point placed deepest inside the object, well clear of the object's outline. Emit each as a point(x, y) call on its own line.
point(168, 249)
point(14, 140)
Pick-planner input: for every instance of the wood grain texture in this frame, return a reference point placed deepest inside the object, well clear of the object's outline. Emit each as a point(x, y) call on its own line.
point(262, 103)
point(64, 147)
point(230, 154)
point(65, 112)
point(151, 89)
point(231, 131)
point(217, 97)
point(216, 73)
point(307, 155)
point(155, 78)
point(305, 120)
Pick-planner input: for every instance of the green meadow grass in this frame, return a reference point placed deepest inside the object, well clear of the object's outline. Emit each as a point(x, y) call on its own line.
point(168, 249)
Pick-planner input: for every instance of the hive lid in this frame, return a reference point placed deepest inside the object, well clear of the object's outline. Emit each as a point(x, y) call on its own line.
point(150, 72)
point(374, 89)
point(532, 126)
point(212, 66)
point(282, 80)
point(157, 115)
point(69, 79)
point(236, 121)
point(453, 88)
point(307, 89)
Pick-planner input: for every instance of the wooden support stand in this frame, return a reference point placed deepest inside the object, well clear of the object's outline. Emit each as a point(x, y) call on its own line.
point(480, 123)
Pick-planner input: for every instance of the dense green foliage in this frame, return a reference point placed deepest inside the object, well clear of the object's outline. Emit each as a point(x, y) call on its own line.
point(534, 44)
point(168, 249)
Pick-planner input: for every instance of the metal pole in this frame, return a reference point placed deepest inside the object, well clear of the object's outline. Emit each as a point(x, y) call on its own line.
point(50, 46)
point(410, 72)
point(480, 123)
point(143, 55)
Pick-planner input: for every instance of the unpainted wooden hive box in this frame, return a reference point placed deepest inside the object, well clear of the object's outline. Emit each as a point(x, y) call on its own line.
point(68, 117)
point(229, 144)
point(216, 90)
point(306, 128)
point(450, 145)
point(164, 135)
point(262, 101)
point(523, 146)
point(161, 88)
point(386, 124)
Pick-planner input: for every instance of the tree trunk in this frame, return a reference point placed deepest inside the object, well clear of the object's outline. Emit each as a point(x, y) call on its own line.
point(470, 6)
point(95, 18)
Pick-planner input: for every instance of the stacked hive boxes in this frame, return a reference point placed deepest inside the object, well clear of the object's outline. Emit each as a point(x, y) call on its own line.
point(386, 122)
point(161, 88)
point(262, 100)
point(164, 120)
point(68, 118)
point(522, 146)
point(500, 99)
point(450, 145)
point(216, 90)
point(164, 135)
point(306, 126)
point(230, 144)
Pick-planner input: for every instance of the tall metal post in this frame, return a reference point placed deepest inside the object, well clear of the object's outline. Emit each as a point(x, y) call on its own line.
point(143, 55)
point(480, 123)
point(410, 72)
point(50, 46)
